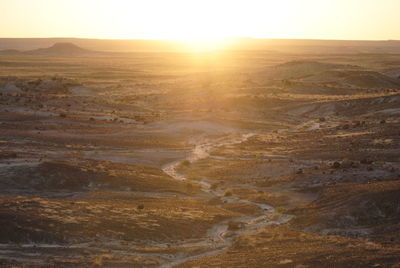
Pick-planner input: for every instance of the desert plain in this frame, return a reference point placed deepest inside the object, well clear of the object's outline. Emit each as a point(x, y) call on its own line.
point(235, 158)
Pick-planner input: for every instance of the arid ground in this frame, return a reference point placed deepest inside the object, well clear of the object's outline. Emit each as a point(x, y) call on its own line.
point(215, 159)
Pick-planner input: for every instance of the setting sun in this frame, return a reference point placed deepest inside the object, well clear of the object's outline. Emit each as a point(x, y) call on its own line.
point(201, 20)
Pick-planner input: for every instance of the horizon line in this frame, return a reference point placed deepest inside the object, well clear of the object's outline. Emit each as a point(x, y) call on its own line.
point(222, 38)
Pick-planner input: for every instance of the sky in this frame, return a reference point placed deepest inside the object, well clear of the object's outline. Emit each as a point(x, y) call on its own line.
point(202, 19)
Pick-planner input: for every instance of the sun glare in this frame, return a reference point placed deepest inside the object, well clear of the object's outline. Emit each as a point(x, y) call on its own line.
point(204, 44)
point(203, 22)
point(205, 25)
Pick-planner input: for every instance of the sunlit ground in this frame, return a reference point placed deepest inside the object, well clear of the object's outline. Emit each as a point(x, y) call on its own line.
point(205, 44)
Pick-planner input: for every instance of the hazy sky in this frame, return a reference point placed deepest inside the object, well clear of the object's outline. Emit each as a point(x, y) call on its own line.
point(179, 19)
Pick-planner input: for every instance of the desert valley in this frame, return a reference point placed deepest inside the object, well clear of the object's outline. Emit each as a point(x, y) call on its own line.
point(287, 156)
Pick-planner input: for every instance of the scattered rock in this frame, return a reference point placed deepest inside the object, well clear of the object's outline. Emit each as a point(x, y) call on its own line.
point(347, 163)
point(336, 164)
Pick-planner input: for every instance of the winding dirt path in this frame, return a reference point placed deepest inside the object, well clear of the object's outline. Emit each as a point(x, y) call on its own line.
point(219, 237)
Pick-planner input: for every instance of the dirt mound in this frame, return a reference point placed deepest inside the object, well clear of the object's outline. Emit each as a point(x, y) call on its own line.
point(299, 69)
point(59, 177)
point(10, 52)
point(369, 209)
point(355, 79)
point(392, 72)
point(10, 88)
point(47, 176)
point(61, 48)
point(380, 107)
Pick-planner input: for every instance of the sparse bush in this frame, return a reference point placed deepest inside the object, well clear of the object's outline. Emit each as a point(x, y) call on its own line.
point(63, 115)
point(98, 261)
point(190, 185)
point(186, 163)
point(214, 186)
point(280, 210)
point(346, 163)
point(228, 193)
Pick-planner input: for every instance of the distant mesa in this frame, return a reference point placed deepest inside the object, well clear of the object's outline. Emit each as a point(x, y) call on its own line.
point(61, 48)
point(56, 49)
